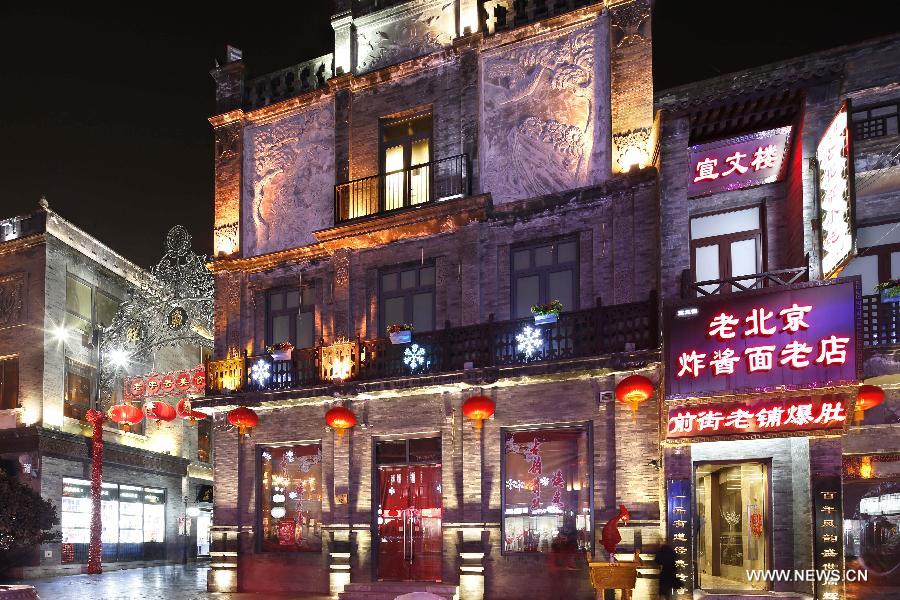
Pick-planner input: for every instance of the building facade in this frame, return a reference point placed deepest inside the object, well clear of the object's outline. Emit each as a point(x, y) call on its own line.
point(57, 286)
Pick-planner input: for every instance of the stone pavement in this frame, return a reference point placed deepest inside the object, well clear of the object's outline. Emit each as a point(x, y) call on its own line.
point(171, 582)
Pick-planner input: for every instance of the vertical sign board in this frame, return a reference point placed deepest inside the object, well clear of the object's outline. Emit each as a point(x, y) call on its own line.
point(680, 534)
point(836, 189)
point(828, 543)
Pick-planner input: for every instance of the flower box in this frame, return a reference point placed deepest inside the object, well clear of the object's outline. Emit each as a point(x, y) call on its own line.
point(401, 337)
point(889, 295)
point(281, 355)
point(281, 351)
point(546, 319)
point(546, 313)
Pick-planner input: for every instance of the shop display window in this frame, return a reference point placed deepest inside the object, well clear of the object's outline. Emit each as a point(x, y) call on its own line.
point(547, 490)
point(732, 524)
point(291, 498)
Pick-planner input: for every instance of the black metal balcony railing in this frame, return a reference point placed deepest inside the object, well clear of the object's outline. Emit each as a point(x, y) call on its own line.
point(395, 190)
point(586, 333)
point(880, 322)
point(740, 283)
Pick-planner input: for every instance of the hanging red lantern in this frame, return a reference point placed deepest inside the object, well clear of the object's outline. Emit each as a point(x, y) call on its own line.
point(137, 387)
point(478, 408)
point(245, 419)
point(199, 379)
point(184, 410)
point(633, 390)
point(867, 397)
point(125, 415)
point(184, 381)
point(340, 419)
point(159, 411)
point(167, 384)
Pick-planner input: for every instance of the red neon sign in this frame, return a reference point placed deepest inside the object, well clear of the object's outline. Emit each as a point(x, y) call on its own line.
point(806, 413)
point(739, 162)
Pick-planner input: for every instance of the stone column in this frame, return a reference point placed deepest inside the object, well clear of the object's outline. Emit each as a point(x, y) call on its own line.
point(344, 43)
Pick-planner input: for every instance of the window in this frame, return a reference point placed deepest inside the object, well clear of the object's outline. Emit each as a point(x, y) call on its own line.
point(9, 383)
point(726, 245)
point(407, 296)
point(291, 317)
point(547, 490)
point(542, 273)
point(406, 143)
point(875, 122)
point(877, 257)
point(204, 439)
point(733, 526)
point(87, 306)
point(79, 386)
point(290, 498)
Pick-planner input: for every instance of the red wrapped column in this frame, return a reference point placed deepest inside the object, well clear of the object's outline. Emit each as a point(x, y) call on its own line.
point(95, 418)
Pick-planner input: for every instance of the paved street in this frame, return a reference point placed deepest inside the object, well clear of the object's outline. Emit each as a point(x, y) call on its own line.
point(174, 582)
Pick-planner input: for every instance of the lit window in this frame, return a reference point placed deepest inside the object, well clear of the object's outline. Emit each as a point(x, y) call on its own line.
point(290, 495)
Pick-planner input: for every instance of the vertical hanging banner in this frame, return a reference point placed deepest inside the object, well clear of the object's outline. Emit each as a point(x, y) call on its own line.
point(836, 192)
point(828, 543)
point(680, 538)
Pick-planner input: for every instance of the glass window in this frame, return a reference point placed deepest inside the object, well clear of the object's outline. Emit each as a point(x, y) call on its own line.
point(547, 490)
point(106, 308)
point(724, 223)
point(154, 515)
point(407, 296)
point(204, 439)
point(406, 144)
point(290, 317)
point(291, 498)
point(543, 273)
point(725, 246)
point(78, 389)
point(389, 452)
point(733, 532)
point(78, 298)
point(9, 383)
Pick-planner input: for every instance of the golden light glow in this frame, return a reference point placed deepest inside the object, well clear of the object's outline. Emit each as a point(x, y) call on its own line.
point(632, 156)
point(865, 467)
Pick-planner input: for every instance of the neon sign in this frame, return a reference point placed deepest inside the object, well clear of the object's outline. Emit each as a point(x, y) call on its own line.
point(834, 162)
point(791, 338)
point(739, 162)
point(807, 413)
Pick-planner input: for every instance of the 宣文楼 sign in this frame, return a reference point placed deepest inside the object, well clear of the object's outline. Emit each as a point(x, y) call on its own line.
point(835, 186)
point(797, 337)
point(739, 162)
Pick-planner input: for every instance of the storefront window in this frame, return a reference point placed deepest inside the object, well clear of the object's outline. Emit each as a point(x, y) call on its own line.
point(547, 490)
point(291, 498)
point(733, 527)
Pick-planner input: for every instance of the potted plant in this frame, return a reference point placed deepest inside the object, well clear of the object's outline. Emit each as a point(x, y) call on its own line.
point(280, 351)
point(546, 313)
point(400, 333)
point(889, 290)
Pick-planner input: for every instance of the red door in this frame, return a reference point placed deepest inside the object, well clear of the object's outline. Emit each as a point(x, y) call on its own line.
point(409, 523)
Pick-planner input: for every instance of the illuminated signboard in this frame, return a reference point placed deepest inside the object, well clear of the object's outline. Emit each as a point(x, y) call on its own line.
point(759, 416)
point(739, 162)
point(680, 534)
point(797, 337)
point(835, 185)
point(828, 540)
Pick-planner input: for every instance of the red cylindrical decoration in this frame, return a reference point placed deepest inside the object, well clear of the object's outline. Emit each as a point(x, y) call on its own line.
point(125, 414)
point(184, 381)
point(159, 411)
point(184, 410)
point(199, 380)
point(167, 384)
point(244, 419)
point(478, 408)
point(868, 396)
point(340, 419)
point(633, 390)
point(95, 548)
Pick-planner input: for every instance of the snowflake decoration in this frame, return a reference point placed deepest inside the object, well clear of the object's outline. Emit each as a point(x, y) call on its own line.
point(292, 495)
point(414, 357)
point(438, 488)
point(289, 456)
point(260, 371)
point(392, 491)
point(528, 341)
point(545, 481)
point(266, 456)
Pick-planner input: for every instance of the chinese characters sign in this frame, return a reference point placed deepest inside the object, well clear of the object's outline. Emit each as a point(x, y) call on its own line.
point(679, 533)
point(759, 416)
point(834, 162)
point(828, 543)
point(797, 337)
point(188, 382)
point(739, 162)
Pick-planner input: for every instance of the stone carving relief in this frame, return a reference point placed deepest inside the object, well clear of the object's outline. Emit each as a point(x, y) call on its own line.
point(12, 300)
point(539, 110)
point(410, 34)
point(630, 23)
point(289, 181)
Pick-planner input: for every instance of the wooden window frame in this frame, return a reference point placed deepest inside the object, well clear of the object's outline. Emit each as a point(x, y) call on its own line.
point(725, 240)
point(290, 312)
point(858, 125)
point(407, 142)
point(544, 272)
point(9, 399)
point(408, 294)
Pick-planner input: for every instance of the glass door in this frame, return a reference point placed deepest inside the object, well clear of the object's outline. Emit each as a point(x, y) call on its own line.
point(406, 159)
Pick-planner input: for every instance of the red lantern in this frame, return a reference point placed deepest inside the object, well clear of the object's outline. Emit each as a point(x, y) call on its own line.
point(137, 387)
point(633, 390)
point(184, 381)
point(159, 411)
point(340, 419)
point(126, 415)
point(199, 379)
point(867, 397)
point(478, 408)
point(184, 410)
point(167, 384)
point(152, 386)
point(244, 419)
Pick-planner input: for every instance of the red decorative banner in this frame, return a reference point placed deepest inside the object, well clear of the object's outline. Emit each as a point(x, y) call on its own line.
point(760, 416)
point(175, 383)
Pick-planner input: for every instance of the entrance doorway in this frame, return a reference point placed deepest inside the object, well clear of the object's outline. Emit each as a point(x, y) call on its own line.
point(409, 510)
point(733, 524)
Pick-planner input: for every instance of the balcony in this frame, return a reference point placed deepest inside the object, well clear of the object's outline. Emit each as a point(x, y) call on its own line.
point(880, 322)
point(581, 334)
point(410, 188)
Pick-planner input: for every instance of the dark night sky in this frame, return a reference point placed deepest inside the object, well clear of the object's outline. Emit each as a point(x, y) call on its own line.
point(105, 112)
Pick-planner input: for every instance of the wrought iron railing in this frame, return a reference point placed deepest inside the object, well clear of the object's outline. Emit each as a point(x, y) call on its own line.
point(740, 283)
point(407, 188)
point(593, 332)
point(880, 322)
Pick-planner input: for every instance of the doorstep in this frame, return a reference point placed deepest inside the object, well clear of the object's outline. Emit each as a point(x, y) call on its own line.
point(80, 569)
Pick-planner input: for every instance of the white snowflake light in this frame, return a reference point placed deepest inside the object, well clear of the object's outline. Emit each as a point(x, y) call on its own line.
point(292, 495)
point(260, 372)
point(266, 456)
point(545, 481)
point(414, 357)
point(289, 456)
point(528, 341)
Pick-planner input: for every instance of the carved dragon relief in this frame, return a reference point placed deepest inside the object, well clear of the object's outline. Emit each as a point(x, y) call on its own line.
point(12, 300)
point(539, 106)
point(413, 36)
